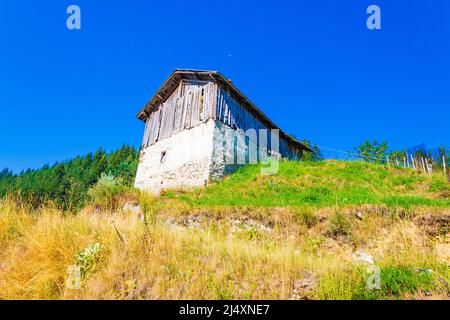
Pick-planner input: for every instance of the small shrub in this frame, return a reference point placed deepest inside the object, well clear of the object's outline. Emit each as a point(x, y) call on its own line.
point(148, 207)
point(105, 191)
point(372, 151)
point(306, 216)
point(338, 224)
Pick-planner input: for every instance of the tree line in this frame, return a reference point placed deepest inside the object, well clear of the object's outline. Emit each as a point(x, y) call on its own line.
point(66, 184)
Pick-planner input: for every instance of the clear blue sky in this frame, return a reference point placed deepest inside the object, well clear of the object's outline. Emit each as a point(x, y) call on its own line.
point(312, 66)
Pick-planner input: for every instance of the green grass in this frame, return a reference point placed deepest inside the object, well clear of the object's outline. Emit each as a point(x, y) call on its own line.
point(438, 183)
point(396, 283)
point(318, 185)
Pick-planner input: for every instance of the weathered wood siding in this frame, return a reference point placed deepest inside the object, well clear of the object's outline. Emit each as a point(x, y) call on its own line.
point(192, 103)
point(236, 116)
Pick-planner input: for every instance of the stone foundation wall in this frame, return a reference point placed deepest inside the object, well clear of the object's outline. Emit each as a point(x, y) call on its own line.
point(180, 161)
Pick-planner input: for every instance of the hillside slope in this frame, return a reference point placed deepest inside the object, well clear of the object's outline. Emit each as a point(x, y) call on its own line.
point(300, 234)
point(323, 184)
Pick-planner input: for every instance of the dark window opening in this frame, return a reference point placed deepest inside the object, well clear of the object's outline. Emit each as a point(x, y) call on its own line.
point(163, 156)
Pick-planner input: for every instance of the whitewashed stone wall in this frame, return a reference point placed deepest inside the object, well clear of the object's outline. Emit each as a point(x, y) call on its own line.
point(194, 157)
point(187, 163)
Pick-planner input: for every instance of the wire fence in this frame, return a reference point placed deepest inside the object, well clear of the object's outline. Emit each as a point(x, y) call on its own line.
point(419, 158)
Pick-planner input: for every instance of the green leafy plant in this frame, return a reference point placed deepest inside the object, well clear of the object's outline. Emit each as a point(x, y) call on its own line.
point(88, 260)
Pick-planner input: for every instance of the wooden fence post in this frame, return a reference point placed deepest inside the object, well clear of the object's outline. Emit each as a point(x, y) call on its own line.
point(413, 162)
point(445, 166)
point(429, 167)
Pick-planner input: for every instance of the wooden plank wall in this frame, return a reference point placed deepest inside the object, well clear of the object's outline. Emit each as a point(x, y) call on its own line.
point(231, 113)
point(191, 104)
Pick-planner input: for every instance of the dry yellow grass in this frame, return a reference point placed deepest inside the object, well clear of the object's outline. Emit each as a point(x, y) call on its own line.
point(246, 253)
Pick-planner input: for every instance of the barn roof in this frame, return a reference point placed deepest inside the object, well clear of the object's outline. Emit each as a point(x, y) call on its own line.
point(174, 79)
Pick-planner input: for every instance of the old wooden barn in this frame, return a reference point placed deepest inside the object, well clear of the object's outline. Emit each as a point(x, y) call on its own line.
point(200, 127)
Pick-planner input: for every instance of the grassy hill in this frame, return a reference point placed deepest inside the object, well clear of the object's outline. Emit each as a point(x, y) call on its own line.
point(294, 235)
point(323, 184)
